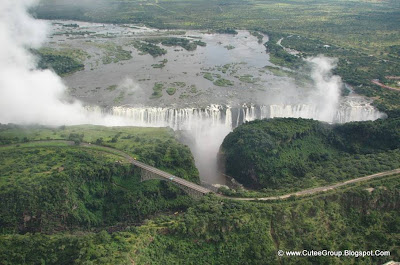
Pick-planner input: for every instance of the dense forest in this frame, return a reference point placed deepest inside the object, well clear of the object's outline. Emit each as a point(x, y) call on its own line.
point(62, 62)
point(64, 204)
point(49, 186)
point(62, 65)
point(61, 203)
point(215, 231)
point(297, 153)
point(51, 189)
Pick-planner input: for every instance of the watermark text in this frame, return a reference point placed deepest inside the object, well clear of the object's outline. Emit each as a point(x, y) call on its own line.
point(331, 253)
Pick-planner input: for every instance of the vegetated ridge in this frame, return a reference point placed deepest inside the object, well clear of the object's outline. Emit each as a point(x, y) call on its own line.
point(291, 154)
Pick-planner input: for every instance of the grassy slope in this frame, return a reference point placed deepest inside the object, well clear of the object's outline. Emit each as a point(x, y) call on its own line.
point(155, 146)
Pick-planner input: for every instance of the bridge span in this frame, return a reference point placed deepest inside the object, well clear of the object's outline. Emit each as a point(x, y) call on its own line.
point(148, 172)
point(196, 191)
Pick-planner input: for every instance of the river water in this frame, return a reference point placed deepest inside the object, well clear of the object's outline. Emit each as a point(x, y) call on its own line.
point(203, 111)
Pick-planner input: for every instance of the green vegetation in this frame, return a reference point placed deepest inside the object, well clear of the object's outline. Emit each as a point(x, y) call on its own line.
point(175, 32)
point(208, 76)
point(171, 90)
point(173, 41)
point(179, 84)
point(357, 68)
point(74, 25)
point(258, 35)
point(161, 64)
point(200, 43)
point(119, 98)
point(189, 90)
point(252, 233)
point(184, 43)
point(63, 248)
point(112, 87)
point(149, 48)
point(193, 89)
point(213, 231)
point(63, 62)
point(74, 33)
point(49, 189)
point(154, 146)
point(224, 68)
point(302, 78)
point(158, 65)
point(229, 47)
point(157, 90)
point(288, 154)
point(113, 53)
point(66, 204)
point(248, 79)
point(227, 31)
point(363, 34)
point(223, 82)
point(81, 192)
point(277, 70)
point(279, 56)
point(371, 25)
point(62, 65)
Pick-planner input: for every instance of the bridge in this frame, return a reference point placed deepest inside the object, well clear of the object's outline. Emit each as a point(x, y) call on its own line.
point(148, 172)
point(196, 191)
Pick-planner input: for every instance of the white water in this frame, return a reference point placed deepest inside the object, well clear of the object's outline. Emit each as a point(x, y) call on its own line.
point(207, 127)
point(29, 95)
point(352, 109)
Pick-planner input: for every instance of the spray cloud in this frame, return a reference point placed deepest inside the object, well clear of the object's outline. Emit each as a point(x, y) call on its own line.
point(29, 95)
point(327, 94)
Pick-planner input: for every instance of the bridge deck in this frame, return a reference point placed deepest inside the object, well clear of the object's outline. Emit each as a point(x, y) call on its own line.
point(170, 177)
point(163, 174)
point(203, 190)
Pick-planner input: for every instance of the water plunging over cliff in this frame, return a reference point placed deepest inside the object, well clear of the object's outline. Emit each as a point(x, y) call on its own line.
point(205, 128)
point(353, 109)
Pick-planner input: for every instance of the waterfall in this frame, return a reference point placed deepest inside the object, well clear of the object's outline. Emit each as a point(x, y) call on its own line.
point(350, 109)
point(207, 127)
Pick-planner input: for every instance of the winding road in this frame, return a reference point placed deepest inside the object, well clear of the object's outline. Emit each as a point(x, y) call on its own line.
point(323, 188)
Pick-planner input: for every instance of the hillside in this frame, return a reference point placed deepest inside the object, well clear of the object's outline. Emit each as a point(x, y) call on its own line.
point(62, 203)
point(215, 231)
point(288, 154)
point(49, 186)
point(154, 146)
